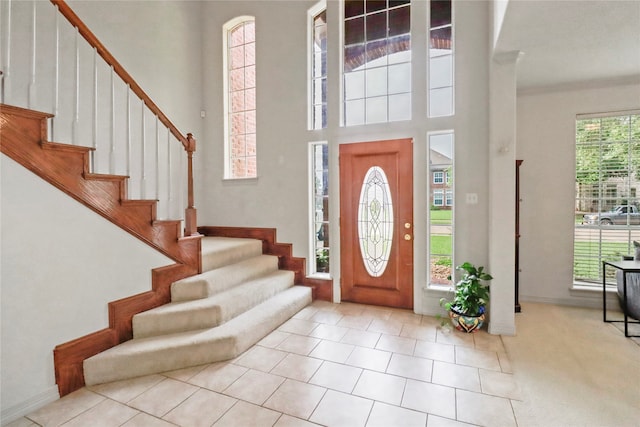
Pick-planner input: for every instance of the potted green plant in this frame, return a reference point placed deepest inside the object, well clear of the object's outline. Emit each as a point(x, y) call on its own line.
point(467, 308)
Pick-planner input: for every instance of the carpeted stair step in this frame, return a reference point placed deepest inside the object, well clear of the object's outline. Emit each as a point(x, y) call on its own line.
point(170, 352)
point(214, 281)
point(220, 251)
point(212, 311)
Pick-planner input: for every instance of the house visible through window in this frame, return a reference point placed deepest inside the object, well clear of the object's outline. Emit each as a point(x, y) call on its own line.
point(441, 199)
point(377, 61)
point(319, 241)
point(606, 207)
point(240, 103)
point(318, 67)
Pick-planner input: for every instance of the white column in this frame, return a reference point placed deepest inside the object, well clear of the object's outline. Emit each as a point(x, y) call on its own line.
point(502, 157)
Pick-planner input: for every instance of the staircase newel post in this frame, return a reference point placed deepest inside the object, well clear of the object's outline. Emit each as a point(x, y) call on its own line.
point(191, 227)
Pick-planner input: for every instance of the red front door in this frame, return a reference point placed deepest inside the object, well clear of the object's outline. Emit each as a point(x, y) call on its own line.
point(376, 222)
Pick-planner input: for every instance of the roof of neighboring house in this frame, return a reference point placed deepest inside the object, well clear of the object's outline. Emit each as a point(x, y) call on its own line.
point(438, 160)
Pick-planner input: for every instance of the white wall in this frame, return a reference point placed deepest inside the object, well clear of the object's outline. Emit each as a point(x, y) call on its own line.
point(546, 143)
point(61, 264)
point(279, 196)
point(159, 44)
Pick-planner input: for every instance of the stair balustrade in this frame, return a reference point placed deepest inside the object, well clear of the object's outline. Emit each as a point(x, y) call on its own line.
point(51, 62)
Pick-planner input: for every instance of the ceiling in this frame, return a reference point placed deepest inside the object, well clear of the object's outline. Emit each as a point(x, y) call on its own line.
point(572, 41)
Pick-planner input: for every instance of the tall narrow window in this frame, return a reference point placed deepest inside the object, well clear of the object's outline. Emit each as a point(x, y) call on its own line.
point(441, 197)
point(607, 177)
point(441, 96)
point(319, 167)
point(318, 68)
point(377, 61)
point(240, 102)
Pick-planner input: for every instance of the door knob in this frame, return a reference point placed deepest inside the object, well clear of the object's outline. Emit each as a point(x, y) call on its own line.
point(407, 237)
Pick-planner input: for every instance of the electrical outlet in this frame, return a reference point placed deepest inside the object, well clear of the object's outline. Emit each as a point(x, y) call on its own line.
point(472, 198)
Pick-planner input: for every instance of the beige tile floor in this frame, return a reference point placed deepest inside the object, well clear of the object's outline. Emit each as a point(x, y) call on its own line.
point(335, 365)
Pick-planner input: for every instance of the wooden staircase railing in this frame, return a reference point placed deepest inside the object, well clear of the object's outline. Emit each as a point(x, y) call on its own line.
point(188, 142)
point(24, 137)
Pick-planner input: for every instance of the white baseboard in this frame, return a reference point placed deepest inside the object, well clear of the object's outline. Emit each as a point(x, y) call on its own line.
point(30, 405)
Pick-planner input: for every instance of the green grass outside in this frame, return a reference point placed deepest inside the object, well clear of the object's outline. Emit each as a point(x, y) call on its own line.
point(441, 216)
point(441, 245)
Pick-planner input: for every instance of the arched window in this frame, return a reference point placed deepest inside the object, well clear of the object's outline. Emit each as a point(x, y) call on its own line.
point(240, 98)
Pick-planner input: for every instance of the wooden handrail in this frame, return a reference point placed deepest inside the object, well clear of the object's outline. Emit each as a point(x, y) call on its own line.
point(188, 142)
point(84, 31)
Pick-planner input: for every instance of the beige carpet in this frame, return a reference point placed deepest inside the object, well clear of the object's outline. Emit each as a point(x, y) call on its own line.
point(573, 369)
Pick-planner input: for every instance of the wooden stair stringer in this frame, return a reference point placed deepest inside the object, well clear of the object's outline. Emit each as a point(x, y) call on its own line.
point(24, 139)
point(322, 288)
point(68, 358)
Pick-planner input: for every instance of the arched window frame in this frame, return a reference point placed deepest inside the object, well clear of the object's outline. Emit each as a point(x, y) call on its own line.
point(229, 171)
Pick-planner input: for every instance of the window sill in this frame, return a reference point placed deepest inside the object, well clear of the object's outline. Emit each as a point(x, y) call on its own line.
point(320, 276)
point(438, 288)
point(581, 290)
point(240, 180)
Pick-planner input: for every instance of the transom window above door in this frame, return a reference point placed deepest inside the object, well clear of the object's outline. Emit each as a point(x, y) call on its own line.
point(377, 61)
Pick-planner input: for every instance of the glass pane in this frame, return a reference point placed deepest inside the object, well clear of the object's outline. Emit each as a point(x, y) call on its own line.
point(375, 5)
point(353, 8)
point(354, 112)
point(237, 124)
point(354, 31)
point(376, 26)
point(440, 39)
point(399, 49)
point(318, 64)
point(250, 54)
point(400, 107)
point(376, 53)
point(376, 82)
point(441, 71)
point(400, 78)
point(441, 102)
point(440, 13)
point(399, 21)
point(441, 227)
point(375, 221)
point(237, 79)
point(377, 109)
point(250, 76)
point(354, 85)
point(251, 121)
point(237, 57)
point(237, 101)
point(394, 3)
point(354, 57)
point(318, 117)
point(249, 32)
point(250, 99)
point(251, 144)
point(237, 36)
point(615, 129)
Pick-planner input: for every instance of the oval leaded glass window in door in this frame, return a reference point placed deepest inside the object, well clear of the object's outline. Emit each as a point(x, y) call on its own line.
point(375, 221)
